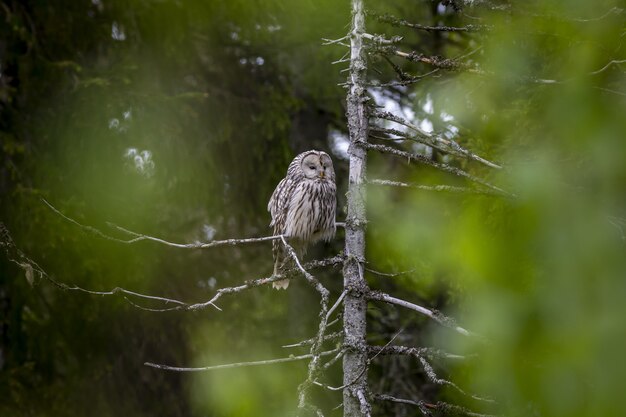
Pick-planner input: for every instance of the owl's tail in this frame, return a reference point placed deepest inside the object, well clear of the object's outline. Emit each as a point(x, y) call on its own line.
point(279, 265)
point(280, 285)
point(283, 261)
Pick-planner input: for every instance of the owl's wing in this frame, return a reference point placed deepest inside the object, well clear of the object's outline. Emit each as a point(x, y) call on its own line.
point(278, 207)
point(279, 203)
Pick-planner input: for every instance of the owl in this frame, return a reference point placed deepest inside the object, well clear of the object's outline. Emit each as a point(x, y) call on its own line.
point(303, 207)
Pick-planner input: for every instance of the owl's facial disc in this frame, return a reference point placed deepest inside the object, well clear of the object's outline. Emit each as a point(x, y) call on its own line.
point(311, 166)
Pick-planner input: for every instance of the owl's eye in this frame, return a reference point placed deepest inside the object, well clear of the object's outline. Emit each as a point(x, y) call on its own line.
point(311, 166)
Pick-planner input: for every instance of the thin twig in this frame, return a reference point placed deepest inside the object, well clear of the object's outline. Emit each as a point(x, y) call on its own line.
point(442, 167)
point(443, 188)
point(607, 66)
point(137, 237)
point(316, 346)
point(308, 342)
point(386, 18)
point(363, 370)
point(430, 372)
point(440, 407)
point(387, 274)
point(239, 364)
point(366, 408)
point(379, 39)
point(413, 351)
point(334, 360)
point(337, 303)
point(443, 144)
point(423, 406)
point(30, 267)
point(433, 314)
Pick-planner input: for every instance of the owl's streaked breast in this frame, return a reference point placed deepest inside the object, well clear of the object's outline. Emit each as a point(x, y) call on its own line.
point(311, 213)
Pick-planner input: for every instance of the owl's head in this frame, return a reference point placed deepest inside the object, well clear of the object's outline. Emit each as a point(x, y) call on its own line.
point(317, 164)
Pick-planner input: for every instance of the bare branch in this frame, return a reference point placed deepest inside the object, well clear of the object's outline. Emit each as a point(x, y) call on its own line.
point(423, 407)
point(183, 306)
point(444, 188)
point(366, 408)
point(308, 342)
point(620, 224)
point(610, 91)
point(434, 61)
point(443, 167)
point(387, 18)
point(316, 346)
point(386, 274)
point(430, 372)
point(457, 65)
point(334, 360)
point(198, 245)
point(336, 41)
point(433, 314)
point(239, 364)
point(137, 237)
point(381, 40)
point(441, 407)
point(456, 410)
point(337, 303)
point(405, 79)
point(607, 66)
point(413, 351)
point(264, 281)
point(435, 141)
point(360, 374)
point(31, 267)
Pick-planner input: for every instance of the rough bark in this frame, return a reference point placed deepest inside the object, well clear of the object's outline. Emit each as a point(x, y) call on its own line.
point(355, 361)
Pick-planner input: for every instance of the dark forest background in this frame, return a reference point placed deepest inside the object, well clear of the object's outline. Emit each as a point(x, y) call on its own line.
point(177, 119)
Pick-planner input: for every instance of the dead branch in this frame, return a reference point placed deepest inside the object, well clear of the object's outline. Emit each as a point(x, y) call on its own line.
point(430, 372)
point(238, 364)
point(444, 145)
point(316, 346)
point(394, 21)
point(443, 167)
point(137, 237)
point(30, 268)
point(433, 314)
point(441, 407)
point(443, 188)
point(381, 40)
point(387, 274)
point(423, 406)
point(413, 351)
point(308, 342)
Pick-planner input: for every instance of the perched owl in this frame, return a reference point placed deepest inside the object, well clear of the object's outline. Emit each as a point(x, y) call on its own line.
point(303, 207)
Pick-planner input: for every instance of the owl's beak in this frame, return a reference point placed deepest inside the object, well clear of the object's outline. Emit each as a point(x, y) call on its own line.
point(322, 175)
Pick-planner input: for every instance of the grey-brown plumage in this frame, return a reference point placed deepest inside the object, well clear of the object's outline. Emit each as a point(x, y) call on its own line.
point(303, 207)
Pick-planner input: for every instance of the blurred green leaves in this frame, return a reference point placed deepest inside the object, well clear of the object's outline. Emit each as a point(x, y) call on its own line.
point(177, 118)
point(174, 119)
point(541, 275)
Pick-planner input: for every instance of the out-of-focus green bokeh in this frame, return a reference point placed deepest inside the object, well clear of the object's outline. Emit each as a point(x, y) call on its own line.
point(174, 119)
point(177, 119)
point(541, 276)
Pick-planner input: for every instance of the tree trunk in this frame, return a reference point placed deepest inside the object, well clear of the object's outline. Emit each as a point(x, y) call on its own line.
point(355, 304)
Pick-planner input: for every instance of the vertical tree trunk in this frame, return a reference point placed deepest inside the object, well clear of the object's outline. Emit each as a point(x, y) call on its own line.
point(355, 303)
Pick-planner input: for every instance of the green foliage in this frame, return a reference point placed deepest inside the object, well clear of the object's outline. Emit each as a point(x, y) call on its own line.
point(540, 275)
point(170, 118)
point(177, 118)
